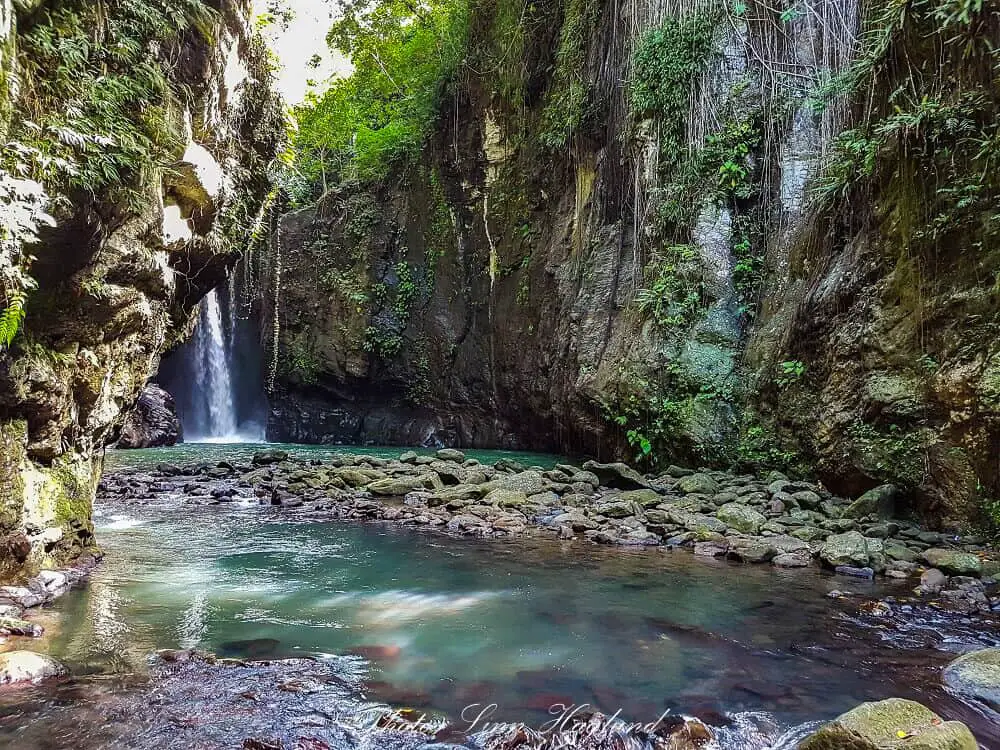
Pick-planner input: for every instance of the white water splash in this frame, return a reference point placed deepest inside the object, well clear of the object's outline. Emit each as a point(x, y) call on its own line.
point(117, 523)
point(394, 607)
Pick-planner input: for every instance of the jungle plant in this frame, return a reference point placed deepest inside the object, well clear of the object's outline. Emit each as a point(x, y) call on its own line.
point(404, 57)
point(666, 62)
point(674, 293)
point(789, 372)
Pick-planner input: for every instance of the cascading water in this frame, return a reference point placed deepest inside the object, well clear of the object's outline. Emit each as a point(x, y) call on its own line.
point(217, 384)
point(216, 378)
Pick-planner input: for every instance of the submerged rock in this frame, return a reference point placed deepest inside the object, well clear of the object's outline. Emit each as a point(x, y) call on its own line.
point(976, 675)
point(888, 725)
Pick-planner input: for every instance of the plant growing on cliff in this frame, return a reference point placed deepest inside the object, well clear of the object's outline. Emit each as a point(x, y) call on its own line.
point(569, 103)
point(666, 63)
point(789, 372)
point(675, 286)
point(95, 101)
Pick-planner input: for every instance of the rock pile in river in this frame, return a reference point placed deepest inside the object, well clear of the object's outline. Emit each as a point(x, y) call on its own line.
point(746, 518)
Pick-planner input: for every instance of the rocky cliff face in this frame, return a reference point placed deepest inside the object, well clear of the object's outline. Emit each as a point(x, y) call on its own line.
point(745, 234)
point(146, 128)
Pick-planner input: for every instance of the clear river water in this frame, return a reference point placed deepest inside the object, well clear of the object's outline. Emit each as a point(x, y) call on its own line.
point(447, 623)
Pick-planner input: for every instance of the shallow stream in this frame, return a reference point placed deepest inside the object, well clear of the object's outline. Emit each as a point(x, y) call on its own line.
point(450, 623)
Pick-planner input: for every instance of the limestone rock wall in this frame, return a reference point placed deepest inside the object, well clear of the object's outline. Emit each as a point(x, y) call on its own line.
point(592, 297)
point(119, 271)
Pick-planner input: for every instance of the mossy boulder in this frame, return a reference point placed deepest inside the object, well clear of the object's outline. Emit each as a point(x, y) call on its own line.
point(617, 475)
point(853, 549)
point(891, 724)
point(399, 486)
point(528, 482)
point(506, 498)
point(751, 549)
point(698, 484)
point(741, 517)
point(953, 562)
point(976, 675)
point(642, 498)
point(880, 501)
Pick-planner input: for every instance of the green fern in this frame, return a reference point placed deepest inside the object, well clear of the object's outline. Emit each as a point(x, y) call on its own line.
point(11, 320)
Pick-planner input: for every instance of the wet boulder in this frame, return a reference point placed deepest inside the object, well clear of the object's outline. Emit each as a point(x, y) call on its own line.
point(953, 562)
point(273, 456)
point(976, 675)
point(618, 476)
point(888, 725)
point(751, 549)
point(27, 666)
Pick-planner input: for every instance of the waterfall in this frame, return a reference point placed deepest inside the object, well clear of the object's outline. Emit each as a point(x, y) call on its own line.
point(214, 348)
point(217, 377)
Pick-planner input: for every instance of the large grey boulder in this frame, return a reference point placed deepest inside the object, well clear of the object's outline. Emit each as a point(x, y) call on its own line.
point(852, 549)
point(893, 724)
point(617, 475)
point(153, 423)
point(976, 675)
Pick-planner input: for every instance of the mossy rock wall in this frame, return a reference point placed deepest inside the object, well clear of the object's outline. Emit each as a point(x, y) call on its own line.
point(115, 288)
point(588, 271)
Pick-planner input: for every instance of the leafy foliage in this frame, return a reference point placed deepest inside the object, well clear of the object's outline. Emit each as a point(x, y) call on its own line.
point(96, 102)
point(11, 319)
point(655, 415)
point(569, 102)
point(675, 290)
point(931, 144)
point(666, 62)
point(404, 56)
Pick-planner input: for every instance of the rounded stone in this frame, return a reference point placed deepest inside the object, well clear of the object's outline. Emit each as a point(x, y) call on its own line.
point(27, 666)
point(976, 675)
point(877, 726)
